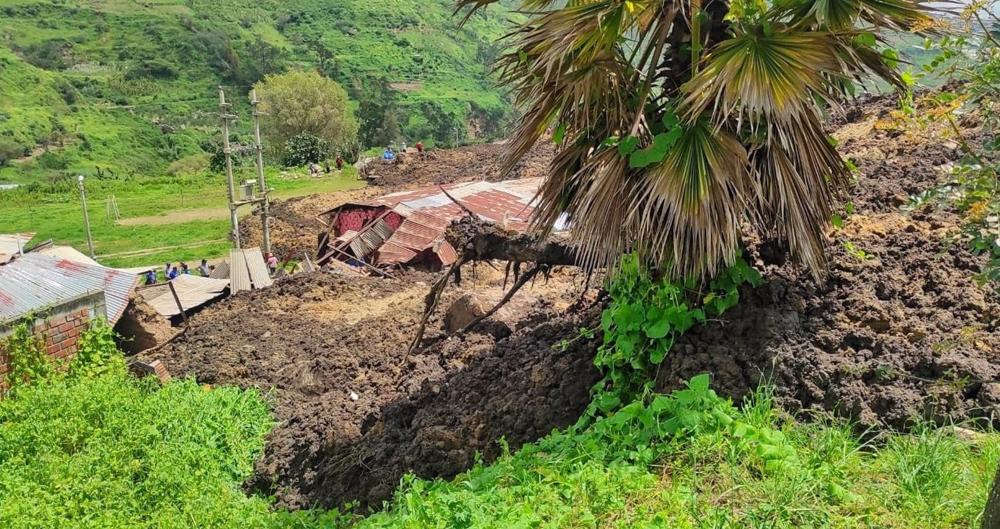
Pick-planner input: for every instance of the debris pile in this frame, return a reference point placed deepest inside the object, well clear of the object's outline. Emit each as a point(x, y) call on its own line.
point(408, 227)
point(472, 162)
point(354, 412)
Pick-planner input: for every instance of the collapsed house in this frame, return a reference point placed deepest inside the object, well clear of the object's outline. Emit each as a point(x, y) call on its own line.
point(407, 228)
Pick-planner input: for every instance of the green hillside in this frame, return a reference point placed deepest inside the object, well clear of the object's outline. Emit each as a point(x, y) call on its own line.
point(131, 86)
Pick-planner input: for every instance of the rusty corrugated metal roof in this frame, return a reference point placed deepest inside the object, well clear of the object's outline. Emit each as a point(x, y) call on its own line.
point(34, 281)
point(428, 211)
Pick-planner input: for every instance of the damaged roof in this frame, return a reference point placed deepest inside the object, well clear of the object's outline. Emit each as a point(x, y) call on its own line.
point(35, 282)
point(428, 211)
point(12, 244)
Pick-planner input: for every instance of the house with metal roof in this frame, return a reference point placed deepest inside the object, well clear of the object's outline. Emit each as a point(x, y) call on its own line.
point(35, 283)
point(408, 227)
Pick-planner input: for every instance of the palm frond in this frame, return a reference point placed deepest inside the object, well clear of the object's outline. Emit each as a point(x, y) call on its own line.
point(758, 74)
point(749, 147)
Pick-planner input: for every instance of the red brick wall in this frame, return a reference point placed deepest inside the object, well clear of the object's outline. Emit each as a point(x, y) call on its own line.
point(60, 329)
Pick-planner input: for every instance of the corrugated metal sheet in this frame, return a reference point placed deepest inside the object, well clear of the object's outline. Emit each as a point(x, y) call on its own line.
point(391, 253)
point(239, 276)
point(35, 281)
point(193, 292)
point(446, 253)
point(258, 268)
point(428, 211)
point(11, 244)
point(419, 232)
point(68, 252)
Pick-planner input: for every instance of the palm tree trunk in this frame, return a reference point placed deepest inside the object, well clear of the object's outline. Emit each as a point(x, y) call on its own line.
point(991, 516)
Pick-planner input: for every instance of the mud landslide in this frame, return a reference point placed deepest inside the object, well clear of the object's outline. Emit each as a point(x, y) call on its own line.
point(901, 330)
point(353, 414)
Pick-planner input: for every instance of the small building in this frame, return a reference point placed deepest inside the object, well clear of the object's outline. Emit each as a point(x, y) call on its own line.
point(407, 228)
point(61, 297)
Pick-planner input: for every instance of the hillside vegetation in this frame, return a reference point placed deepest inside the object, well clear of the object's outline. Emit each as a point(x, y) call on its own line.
point(114, 87)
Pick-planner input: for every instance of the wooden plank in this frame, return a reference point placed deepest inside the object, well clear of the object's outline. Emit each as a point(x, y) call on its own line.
point(257, 267)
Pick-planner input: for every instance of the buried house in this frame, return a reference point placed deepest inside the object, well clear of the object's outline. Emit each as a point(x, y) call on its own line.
point(407, 228)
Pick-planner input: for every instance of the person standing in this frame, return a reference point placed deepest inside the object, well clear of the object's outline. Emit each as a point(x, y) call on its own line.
point(151, 277)
point(173, 273)
point(272, 263)
point(203, 269)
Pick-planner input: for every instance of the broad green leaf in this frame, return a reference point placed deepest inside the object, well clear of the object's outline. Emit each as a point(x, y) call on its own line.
point(658, 329)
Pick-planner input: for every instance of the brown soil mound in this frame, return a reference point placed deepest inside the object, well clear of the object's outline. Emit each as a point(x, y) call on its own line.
point(901, 331)
point(473, 162)
point(353, 415)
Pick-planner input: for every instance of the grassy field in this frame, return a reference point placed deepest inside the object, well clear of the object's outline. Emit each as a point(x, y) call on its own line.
point(162, 207)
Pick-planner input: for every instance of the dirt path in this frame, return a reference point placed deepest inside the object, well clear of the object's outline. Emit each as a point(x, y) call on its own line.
point(178, 216)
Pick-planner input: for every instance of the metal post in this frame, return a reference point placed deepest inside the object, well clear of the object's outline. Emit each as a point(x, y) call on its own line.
point(86, 215)
point(224, 116)
point(266, 205)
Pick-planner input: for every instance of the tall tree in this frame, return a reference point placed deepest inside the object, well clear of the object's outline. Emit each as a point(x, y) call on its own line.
point(679, 120)
point(378, 113)
point(305, 102)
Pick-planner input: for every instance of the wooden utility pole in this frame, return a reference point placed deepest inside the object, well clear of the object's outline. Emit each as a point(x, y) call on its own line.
point(224, 117)
point(266, 204)
point(86, 215)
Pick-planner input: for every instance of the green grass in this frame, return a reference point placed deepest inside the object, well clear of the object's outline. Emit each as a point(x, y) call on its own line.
point(57, 214)
point(714, 479)
point(111, 451)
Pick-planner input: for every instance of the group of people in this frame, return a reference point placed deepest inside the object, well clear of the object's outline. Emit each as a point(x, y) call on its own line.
point(172, 271)
point(389, 155)
point(314, 168)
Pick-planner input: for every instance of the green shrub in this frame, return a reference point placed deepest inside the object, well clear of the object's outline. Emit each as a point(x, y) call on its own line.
point(26, 355)
point(645, 317)
point(96, 351)
point(9, 150)
point(305, 149)
point(692, 460)
point(113, 452)
point(192, 164)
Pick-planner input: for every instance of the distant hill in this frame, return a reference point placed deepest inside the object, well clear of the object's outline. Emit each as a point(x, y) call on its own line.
point(131, 86)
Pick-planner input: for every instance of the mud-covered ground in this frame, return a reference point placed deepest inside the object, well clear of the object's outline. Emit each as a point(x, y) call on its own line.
point(354, 413)
point(902, 330)
point(473, 162)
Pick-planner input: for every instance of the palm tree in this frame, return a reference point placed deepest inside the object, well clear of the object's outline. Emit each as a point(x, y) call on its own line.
point(680, 122)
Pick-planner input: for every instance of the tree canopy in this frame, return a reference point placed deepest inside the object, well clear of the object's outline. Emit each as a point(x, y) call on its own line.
point(294, 103)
